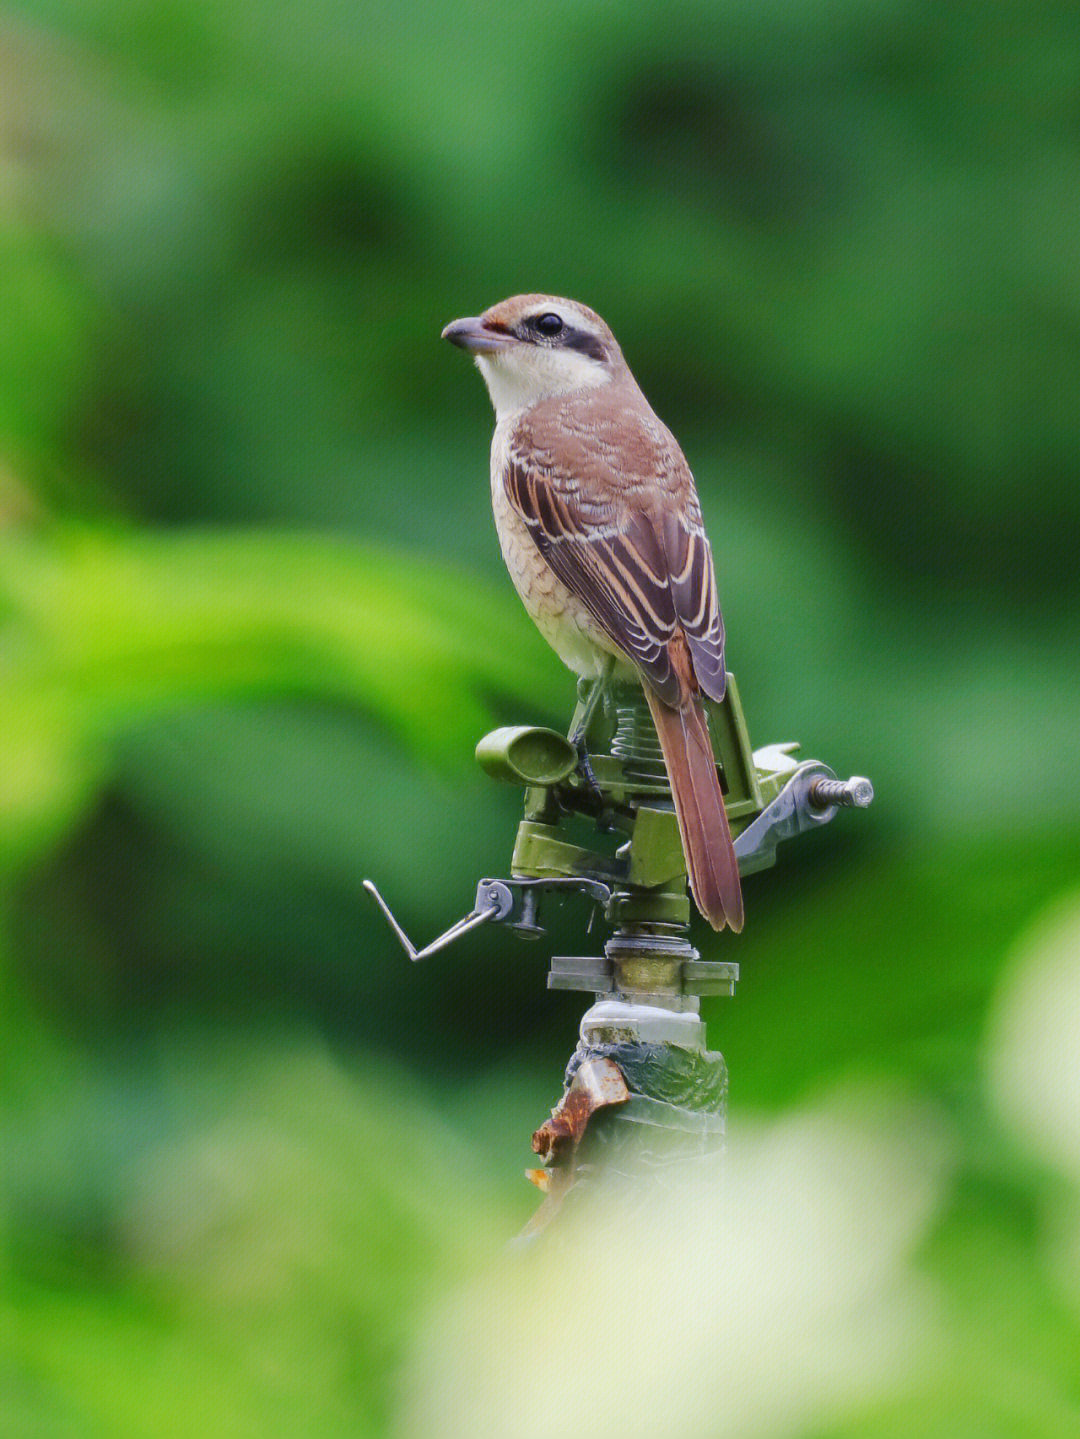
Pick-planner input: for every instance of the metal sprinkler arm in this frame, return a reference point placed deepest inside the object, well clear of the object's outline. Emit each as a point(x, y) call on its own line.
point(809, 799)
point(770, 796)
point(494, 901)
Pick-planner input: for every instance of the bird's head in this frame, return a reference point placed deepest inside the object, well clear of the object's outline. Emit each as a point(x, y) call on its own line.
point(533, 346)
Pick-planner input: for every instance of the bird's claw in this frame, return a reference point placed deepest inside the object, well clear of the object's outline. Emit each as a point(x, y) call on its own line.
point(585, 769)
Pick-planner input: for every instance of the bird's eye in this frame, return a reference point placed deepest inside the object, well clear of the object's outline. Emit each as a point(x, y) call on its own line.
point(548, 325)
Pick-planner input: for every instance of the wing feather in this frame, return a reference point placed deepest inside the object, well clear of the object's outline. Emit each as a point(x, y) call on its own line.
point(610, 502)
point(613, 563)
point(693, 586)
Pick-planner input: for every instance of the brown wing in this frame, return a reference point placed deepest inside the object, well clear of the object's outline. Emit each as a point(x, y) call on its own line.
point(693, 587)
point(609, 557)
point(610, 502)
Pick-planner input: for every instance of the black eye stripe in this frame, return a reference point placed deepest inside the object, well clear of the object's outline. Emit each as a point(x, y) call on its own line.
point(587, 344)
point(552, 328)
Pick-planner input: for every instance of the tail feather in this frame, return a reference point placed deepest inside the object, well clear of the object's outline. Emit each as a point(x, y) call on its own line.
point(711, 864)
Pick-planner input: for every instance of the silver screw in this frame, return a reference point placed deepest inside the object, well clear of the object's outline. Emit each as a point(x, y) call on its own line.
point(853, 793)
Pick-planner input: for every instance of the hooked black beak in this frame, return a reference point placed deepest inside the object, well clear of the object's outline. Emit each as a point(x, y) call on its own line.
point(473, 335)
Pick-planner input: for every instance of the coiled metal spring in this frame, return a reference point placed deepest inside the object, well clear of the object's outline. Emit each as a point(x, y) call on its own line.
point(635, 741)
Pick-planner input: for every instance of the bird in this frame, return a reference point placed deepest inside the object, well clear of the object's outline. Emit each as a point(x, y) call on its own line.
point(600, 527)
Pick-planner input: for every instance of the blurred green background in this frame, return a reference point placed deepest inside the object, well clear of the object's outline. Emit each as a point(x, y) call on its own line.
point(253, 620)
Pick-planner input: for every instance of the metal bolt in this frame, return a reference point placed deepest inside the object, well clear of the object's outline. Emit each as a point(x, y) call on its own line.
point(527, 926)
point(853, 793)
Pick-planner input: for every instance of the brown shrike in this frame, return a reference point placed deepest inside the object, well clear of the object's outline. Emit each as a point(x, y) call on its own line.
point(601, 530)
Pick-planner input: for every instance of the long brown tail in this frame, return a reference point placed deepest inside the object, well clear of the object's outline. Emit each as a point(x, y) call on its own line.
point(699, 804)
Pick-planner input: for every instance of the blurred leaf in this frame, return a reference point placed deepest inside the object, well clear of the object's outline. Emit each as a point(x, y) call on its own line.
point(263, 1252)
point(103, 629)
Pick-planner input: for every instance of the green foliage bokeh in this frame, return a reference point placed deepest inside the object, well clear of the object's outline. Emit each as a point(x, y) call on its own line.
point(253, 619)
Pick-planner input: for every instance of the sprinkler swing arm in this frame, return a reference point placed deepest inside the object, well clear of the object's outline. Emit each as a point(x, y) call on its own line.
point(810, 797)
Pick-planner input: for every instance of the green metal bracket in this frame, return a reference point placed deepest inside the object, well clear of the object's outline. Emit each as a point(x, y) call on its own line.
point(626, 790)
point(528, 755)
point(731, 744)
point(599, 821)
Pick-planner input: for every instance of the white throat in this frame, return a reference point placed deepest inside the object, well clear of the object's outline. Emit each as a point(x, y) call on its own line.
point(520, 378)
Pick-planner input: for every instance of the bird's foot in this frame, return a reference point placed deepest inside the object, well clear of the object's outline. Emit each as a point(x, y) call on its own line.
point(585, 770)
